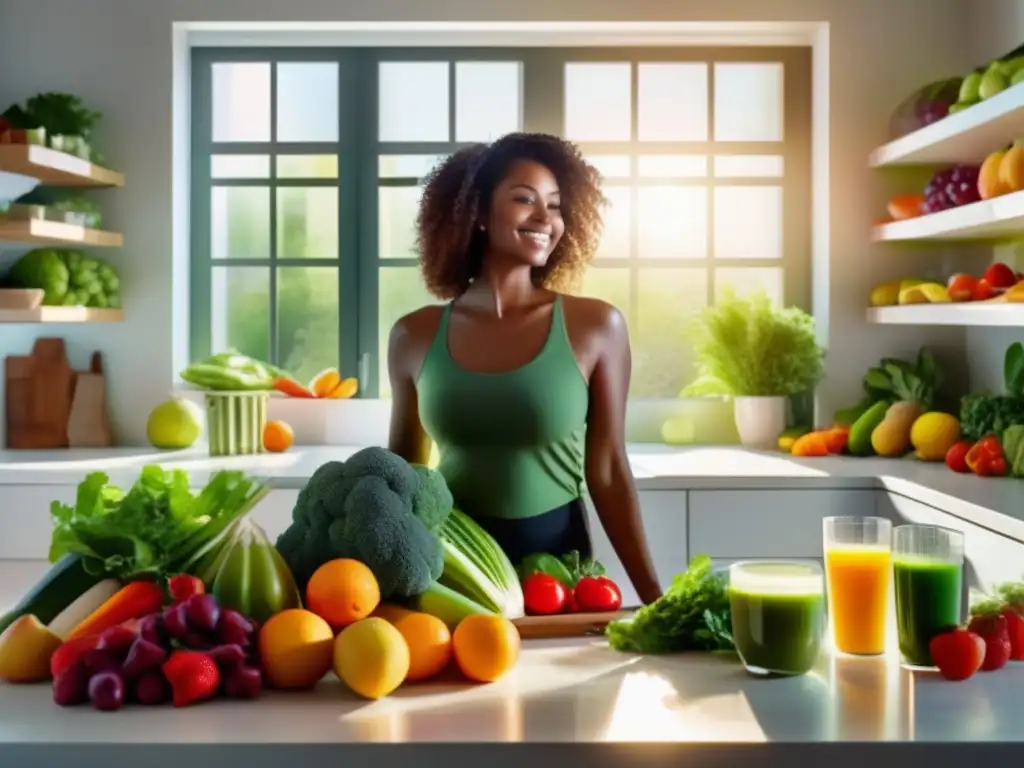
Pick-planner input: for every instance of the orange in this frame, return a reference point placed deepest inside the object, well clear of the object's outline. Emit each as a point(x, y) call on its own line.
point(485, 647)
point(277, 437)
point(342, 591)
point(429, 641)
point(296, 648)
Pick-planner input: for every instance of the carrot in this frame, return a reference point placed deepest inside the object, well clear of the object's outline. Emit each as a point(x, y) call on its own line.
point(812, 444)
point(291, 388)
point(133, 601)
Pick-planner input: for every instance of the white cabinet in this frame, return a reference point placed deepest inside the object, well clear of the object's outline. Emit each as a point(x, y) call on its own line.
point(741, 524)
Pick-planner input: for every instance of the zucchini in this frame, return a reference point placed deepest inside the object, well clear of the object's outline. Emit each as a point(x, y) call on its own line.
point(65, 582)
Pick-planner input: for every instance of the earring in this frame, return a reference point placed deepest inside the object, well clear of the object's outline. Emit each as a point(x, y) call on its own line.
point(482, 228)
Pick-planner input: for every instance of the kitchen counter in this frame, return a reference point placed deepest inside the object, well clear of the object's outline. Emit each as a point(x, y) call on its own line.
point(562, 692)
point(995, 503)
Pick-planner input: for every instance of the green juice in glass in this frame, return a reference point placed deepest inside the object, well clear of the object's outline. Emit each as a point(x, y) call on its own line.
point(928, 603)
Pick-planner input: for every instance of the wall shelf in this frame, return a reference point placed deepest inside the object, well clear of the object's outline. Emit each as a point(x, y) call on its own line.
point(44, 232)
point(61, 315)
point(996, 219)
point(998, 314)
point(54, 168)
point(964, 137)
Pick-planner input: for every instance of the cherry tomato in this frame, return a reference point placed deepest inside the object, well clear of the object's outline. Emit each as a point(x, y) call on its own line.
point(544, 595)
point(597, 593)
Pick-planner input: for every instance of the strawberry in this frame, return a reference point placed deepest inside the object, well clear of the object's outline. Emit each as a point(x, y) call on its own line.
point(193, 676)
point(1012, 596)
point(958, 653)
point(183, 586)
point(71, 652)
point(992, 628)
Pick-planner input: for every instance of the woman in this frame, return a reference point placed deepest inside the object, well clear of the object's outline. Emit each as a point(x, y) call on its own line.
point(522, 388)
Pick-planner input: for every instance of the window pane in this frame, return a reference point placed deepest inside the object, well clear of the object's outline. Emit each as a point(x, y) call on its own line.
point(307, 166)
point(753, 166)
point(240, 310)
point(307, 223)
point(747, 280)
point(672, 166)
point(488, 99)
point(240, 223)
point(241, 101)
point(610, 284)
point(397, 208)
point(672, 102)
point(307, 320)
point(598, 102)
point(401, 291)
point(616, 239)
point(760, 211)
point(413, 101)
point(662, 358)
point(748, 101)
point(610, 166)
point(240, 166)
point(307, 101)
point(672, 222)
point(406, 166)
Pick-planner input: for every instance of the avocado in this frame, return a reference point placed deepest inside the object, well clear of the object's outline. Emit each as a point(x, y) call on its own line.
point(859, 443)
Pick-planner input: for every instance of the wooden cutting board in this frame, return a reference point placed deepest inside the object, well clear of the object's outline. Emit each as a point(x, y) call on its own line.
point(38, 389)
point(89, 420)
point(566, 624)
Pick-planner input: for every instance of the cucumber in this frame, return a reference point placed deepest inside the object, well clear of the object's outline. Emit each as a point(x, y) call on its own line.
point(65, 582)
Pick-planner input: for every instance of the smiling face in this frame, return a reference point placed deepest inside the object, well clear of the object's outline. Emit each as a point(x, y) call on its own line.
point(524, 222)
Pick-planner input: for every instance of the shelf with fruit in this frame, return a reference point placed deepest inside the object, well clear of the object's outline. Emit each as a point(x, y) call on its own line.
point(958, 120)
point(50, 285)
point(994, 299)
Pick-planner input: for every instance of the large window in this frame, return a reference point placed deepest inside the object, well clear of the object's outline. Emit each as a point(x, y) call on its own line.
point(306, 177)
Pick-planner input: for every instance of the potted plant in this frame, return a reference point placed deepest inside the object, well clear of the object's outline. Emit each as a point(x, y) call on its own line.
point(760, 356)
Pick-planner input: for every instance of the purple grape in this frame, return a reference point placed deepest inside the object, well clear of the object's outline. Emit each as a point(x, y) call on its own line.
point(175, 621)
point(71, 686)
point(152, 629)
point(143, 657)
point(100, 660)
point(151, 689)
point(234, 628)
point(203, 612)
point(243, 683)
point(228, 657)
point(198, 641)
point(106, 691)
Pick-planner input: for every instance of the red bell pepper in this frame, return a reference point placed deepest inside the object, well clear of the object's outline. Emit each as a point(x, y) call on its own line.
point(986, 459)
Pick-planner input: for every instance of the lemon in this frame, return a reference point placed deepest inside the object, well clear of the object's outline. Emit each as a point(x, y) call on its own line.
point(371, 657)
point(933, 434)
point(174, 424)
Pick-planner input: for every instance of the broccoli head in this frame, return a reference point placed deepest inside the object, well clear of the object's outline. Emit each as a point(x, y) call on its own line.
point(376, 508)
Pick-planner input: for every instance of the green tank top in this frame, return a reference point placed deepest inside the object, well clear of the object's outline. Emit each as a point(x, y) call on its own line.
point(510, 444)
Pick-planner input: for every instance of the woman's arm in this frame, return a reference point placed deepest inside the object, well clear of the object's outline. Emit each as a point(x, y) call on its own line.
point(609, 477)
point(406, 436)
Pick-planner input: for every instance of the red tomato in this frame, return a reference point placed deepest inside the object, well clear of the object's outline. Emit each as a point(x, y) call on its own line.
point(597, 593)
point(544, 594)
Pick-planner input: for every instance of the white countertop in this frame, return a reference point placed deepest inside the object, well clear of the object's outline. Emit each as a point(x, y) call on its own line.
point(656, 467)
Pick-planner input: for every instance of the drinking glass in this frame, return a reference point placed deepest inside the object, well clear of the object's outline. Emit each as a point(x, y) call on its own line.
point(928, 571)
point(858, 568)
point(778, 615)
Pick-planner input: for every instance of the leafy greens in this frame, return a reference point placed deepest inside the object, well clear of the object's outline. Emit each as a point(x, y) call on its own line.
point(692, 615)
point(158, 527)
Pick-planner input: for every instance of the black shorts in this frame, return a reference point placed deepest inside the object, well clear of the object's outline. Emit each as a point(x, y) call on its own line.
point(556, 532)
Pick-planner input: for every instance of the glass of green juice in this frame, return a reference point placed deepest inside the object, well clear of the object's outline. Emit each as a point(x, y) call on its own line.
point(928, 575)
point(778, 615)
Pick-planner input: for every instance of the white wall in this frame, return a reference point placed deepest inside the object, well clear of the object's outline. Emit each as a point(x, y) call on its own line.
point(993, 33)
point(117, 55)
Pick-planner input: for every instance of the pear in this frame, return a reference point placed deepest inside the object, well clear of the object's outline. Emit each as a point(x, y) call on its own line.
point(25, 650)
point(992, 82)
point(969, 88)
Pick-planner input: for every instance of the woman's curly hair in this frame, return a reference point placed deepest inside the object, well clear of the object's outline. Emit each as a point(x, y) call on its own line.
point(451, 245)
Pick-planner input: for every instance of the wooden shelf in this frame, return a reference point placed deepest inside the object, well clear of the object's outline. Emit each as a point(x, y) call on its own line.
point(998, 219)
point(61, 315)
point(963, 137)
point(55, 169)
point(966, 314)
point(43, 232)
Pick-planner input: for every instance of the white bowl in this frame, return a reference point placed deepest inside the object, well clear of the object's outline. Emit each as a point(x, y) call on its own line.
point(21, 298)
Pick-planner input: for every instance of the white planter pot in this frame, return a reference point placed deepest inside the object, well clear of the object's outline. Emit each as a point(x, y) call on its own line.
point(760, 420)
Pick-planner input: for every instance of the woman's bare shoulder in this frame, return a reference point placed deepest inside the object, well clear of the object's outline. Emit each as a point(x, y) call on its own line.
point(417, 328)
point(593, 316)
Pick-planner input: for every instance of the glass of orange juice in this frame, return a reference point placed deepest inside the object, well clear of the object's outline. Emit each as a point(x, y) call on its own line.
point(858, 568)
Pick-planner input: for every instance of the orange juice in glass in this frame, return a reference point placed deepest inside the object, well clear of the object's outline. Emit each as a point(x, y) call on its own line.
point(858, 572)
